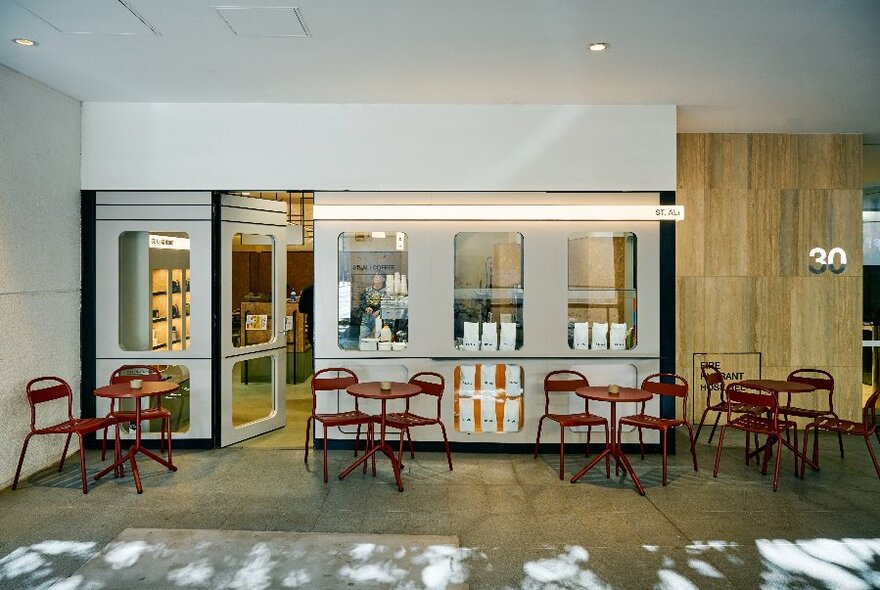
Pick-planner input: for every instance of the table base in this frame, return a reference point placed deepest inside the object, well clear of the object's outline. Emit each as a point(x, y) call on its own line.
point(389, 452)
point(620, 460)
point(134, 450)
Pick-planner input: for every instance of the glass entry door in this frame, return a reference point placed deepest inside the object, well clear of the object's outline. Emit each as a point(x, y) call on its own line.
point(252, 320)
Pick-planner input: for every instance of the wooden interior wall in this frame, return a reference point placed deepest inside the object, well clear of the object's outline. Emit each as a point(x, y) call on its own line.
point(755, 204)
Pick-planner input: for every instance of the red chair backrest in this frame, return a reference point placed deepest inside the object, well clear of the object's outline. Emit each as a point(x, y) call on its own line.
point(321, 383)
point(46, 389)
point(126, 373)
point(567, 383)
point(713, 378)
point(435, 386)
point(678, 388)
point(816, 377)
point(752, 396)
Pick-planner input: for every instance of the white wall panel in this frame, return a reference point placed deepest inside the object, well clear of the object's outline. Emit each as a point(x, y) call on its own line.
point(39, 258)
point(378, 147)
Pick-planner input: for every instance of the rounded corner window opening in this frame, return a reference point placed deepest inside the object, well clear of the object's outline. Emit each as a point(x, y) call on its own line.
point(488, 302)
point(602, 301)
point(373, 291)
point(154, 291)
point(253, 290)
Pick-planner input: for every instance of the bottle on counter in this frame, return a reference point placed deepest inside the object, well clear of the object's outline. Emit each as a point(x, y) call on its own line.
point(385, 334)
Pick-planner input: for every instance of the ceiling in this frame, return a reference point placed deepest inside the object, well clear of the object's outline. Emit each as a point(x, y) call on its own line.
point(730, 65)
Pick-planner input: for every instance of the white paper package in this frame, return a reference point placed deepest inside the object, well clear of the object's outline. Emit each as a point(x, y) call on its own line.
point(600, 336)
point(508, 336)
point(513, 377)
point(471, 340)
point(468, 383)
point(618, 336)
point(488, 416)
point(466, 415)
point(487, 380)
point(511, 415)
point(490, 336)
point(582, 335)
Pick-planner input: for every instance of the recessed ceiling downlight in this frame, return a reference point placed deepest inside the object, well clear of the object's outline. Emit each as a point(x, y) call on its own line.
point(24, 41)
point(598, 45)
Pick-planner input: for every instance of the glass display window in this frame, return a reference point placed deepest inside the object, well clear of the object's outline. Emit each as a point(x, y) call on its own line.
point(602, 309)
point(373, 313)
point(154, 299)
point(488, 301)
point(253, 289)
point(488, 398)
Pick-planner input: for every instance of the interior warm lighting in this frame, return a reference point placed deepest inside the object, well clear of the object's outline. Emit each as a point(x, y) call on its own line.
point(502, 212)
point(24, 41)
point(599, 46)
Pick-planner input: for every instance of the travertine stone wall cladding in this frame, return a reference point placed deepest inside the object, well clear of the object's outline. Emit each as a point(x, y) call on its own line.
point(756, 204)
point(39, 258)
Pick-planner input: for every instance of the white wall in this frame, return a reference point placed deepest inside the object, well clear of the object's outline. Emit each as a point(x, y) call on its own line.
point(39, 257)
point(142, 146)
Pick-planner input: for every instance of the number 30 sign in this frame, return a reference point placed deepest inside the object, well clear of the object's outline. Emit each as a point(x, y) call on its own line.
point(833, 260)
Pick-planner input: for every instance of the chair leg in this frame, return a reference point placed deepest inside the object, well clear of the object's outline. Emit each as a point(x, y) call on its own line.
point(607, 456)
point(561, 453)
point(117, 450)
point(589, 436)
point(27, 439)
point(400, 449)
point(308, 432)
point(357, 440)
point(64, 452)
point(82, 463)
point(700, 425)
point(714, 426)
point(325, 453)
point(446, 444)
point(104, 446)
point(538, 438)
point(693, 445)
point(873, 456)
point(412, 454)
point(168, 440)
point(806, 444)
point(840, 443)
point(718, 452)
point(663, 439)
point(794, 451)
point(641, 444)
point(778, 461)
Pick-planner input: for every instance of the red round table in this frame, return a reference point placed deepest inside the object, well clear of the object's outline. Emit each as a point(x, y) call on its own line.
point(373, 390)
point(601, 394)
point(122, 391)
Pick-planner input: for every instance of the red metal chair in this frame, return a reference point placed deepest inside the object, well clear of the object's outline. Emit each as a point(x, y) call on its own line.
point(567, 382)
point(714, 380)
point(865, 428)
point(822, 381)
point(323, 383)
point(125, 374)
point(405, 420)
point(47, 389)
point(771, 427)
point(678, 388)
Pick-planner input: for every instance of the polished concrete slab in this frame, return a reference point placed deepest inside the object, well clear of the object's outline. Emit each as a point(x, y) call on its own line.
point(146, 559)
point(518, 525)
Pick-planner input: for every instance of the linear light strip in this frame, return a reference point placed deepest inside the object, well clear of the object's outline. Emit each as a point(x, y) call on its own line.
point(502, 212)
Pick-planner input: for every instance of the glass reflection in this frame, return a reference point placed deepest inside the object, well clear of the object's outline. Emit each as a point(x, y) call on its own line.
point(253, 387)
point(154, 291)
point(253, 289)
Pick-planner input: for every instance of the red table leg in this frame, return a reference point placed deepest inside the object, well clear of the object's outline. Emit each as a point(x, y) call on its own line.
point(377, 447)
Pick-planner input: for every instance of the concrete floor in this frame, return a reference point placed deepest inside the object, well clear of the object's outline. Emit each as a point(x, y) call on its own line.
point(518, 525)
